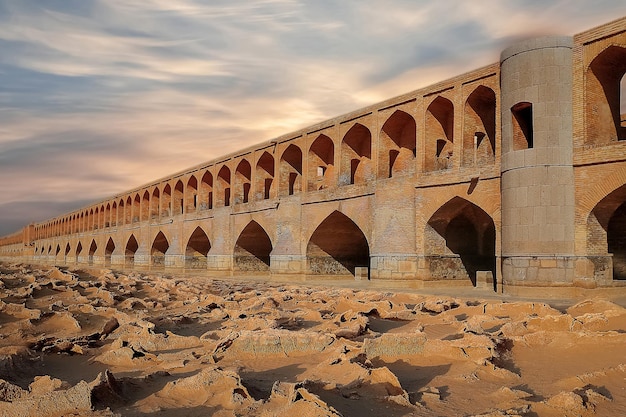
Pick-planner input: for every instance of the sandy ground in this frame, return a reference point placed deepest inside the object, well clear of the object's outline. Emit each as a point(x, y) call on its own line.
point(100, 343)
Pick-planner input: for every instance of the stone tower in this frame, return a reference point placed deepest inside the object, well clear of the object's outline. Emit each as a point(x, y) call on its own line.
point(537, 171)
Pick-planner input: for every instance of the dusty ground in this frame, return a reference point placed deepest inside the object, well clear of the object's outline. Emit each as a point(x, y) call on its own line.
point(99, 343)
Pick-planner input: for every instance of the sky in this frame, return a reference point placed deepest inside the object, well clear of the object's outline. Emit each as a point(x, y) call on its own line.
point(101, 96)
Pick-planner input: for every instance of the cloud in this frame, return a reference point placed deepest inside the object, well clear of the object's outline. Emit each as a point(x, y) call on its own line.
point(100, 96)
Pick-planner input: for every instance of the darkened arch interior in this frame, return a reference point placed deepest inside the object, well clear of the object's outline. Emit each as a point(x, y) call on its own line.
point(253, 248)
point(606, 233)
point(198, 244)
point(398, 145)
point(460, 240)
point(337, 247)
point(439, 134)
point(479, 134)
point(160, 245)
point(356, 155)
point(264, 176)
point(604, 96)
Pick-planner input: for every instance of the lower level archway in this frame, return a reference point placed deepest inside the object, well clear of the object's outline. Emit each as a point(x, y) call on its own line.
point(252, 250)
point(160, 245)
point(197, 249)
point(131, 249)
point(460, 240)
point(337, 247)
point(108, 251)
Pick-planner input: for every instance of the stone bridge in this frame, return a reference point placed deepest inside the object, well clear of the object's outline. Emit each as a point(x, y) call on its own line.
point(514, 172)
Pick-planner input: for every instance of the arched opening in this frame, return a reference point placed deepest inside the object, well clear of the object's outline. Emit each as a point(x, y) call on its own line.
point(243, 176)
point(178, 202)
point(337, 247)
point(108, 252)
point(439, 135)
point(397, 145)
point(321, 163)
point(264, 176)
point(291, 171)
point(356, 156)
point(114, 212)
point(96, 219)
point(198, 248)
point(160, 245)
point(522, 114)
point(604, 97)
point(206, 191)
point(460, 240)
point(145, 206)
point(606, 236)
point(129, 252)
point(92, 250)
point(223, 186)
point(58, 250)
point(252, 250)
point(67, 251)
point(166, 204)
point(191, 195)
point(136, 211)
point(155, 204)
point(107, 216)
point(479, 128)
point(128, 213)
point(79, 249)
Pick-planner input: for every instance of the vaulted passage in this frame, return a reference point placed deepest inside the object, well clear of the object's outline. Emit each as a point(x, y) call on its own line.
point(606, 234)
point(92, 250)
point(460, 240)
point(197, 250)
point(337, 247)
point(131, 249)
point(252, 250)
point(158, 250)
point(398, 146)
point(108, 251)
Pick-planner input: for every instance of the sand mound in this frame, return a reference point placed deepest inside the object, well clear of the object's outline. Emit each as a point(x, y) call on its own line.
point(99, 343)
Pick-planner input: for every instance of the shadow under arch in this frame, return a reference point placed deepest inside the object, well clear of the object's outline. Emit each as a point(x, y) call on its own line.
point(460, 240)
point(160, 245)
point(606, 235)
point(337, 247)
point(198, 247)
point(252, 249)
point(129, 253)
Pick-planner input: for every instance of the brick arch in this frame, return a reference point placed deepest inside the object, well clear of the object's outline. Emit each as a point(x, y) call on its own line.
point(359, 217)
point(593, 195)
point(356, 156)
point(459, 240)
point(439, 132)
point(479, 127)
point(261, 221)
point(398, 145)
point(603, 77)
point(337, 246)
point(252, 249)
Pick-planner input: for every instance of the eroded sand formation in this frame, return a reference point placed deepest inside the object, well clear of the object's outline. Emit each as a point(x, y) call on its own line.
point(99, 343)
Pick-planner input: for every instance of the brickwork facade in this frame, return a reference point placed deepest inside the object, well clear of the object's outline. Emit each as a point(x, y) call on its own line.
point(513, 173)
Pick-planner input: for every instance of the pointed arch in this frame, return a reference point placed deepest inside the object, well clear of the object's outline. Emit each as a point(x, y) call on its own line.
point(439, 134)
point(191, 195)
point(178, 198)
point(252, 249)
point(290, 171)
point(356, 156)
point(459, 240)
point(243, 182)
point(606, 235)
point(166, 201)
point(264, 176)
point(155, 204)
point(603, 116)
point(397, 145)
point(321, 163)
point(129, 252)
point(108, 251)
point(92, 251)
point(198, 247)
point(223, 186)
point(206, 191)
point(160, 246)
point(145, 206)
point(479, 128)
point(337, 247)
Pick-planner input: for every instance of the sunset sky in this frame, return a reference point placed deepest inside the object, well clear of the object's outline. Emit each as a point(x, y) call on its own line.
point(100, 96)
